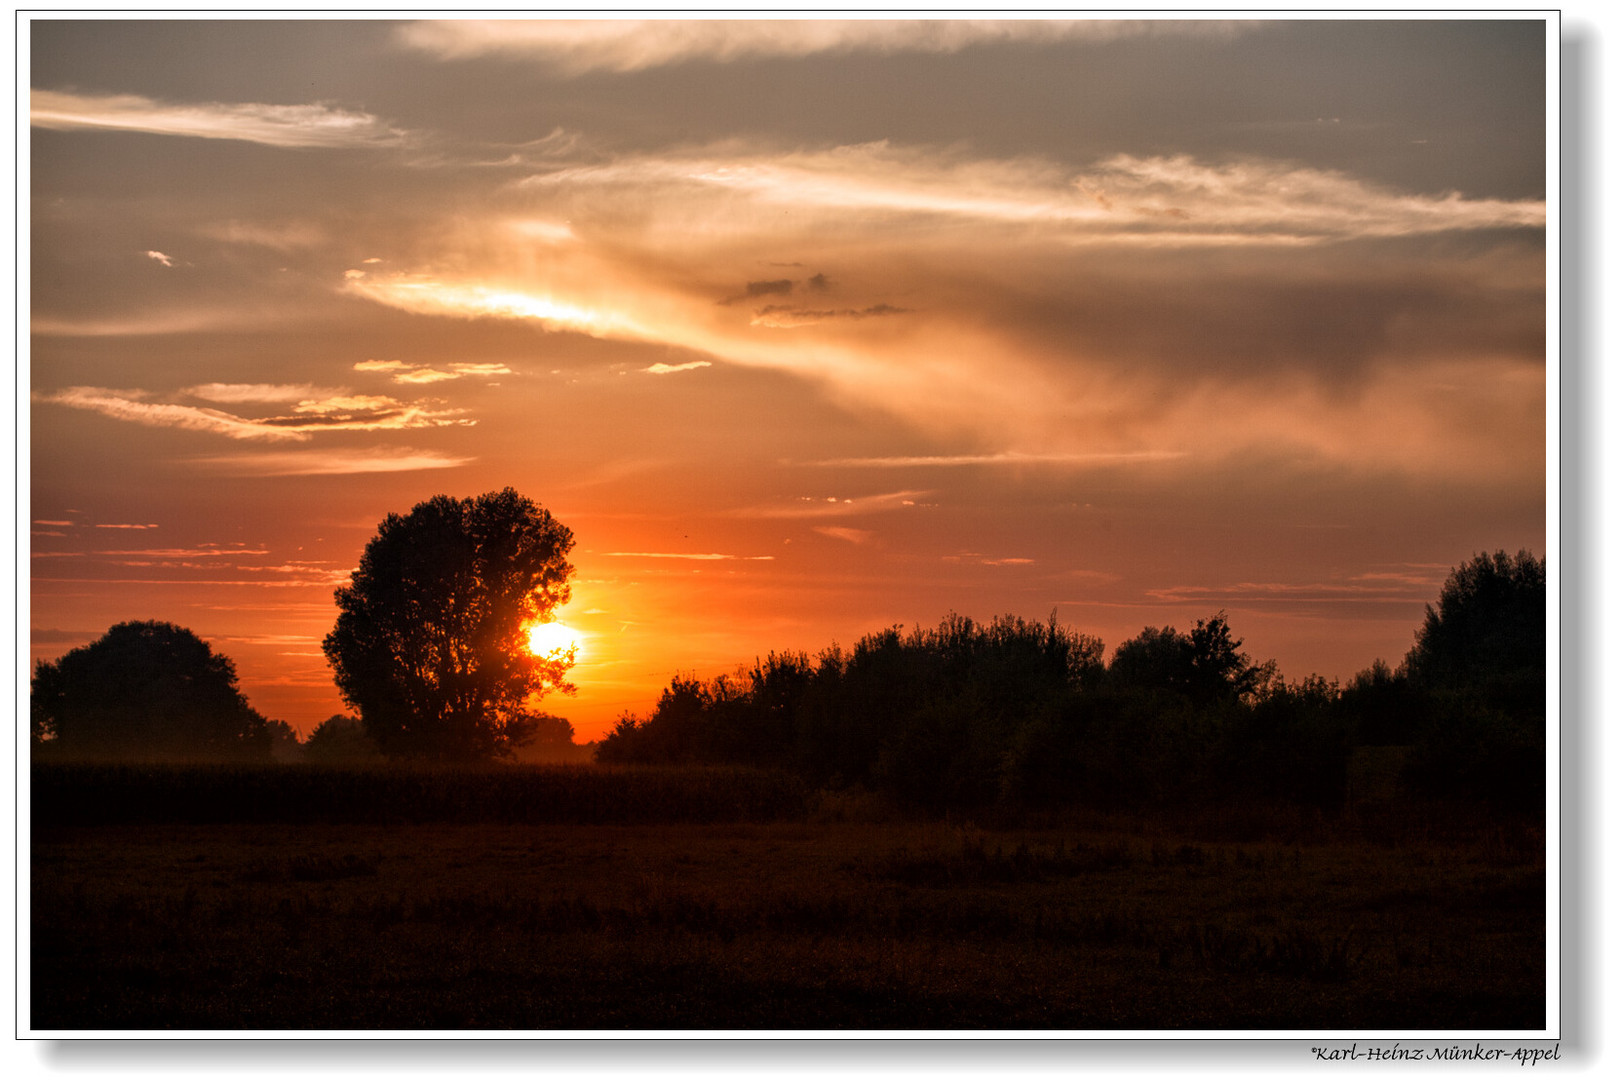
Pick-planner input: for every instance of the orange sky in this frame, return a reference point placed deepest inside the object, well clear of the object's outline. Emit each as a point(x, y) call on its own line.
point(805, 329)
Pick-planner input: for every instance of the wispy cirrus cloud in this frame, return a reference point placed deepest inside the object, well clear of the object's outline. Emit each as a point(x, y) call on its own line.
point(333, 462)
point(1276, 592)
point(807, 506)
point(1004, 458)
point(845, 533)
point(459, 297)
point(172, 322)
point(210, 551)
point(131, 405)
point(325, 581)
point(345, 413)
point(1122, 199)
point(239, 393)
point(419, 374)
point(290, 126)
point(579, 46)
point(1259, 198)
point(671, 369)
point(784, 316)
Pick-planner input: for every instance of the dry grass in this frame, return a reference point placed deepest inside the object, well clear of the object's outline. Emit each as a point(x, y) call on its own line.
point(190, 794)
point(812, 924)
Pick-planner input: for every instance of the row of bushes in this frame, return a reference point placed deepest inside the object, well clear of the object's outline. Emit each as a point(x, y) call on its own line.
point(966, 715)
point(960, 716)
point(1015, 713)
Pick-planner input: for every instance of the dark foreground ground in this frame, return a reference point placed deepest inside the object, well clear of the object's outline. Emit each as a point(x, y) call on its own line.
point(816, 924)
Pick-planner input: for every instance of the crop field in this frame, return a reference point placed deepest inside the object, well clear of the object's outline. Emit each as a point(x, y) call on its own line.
point(836, 916)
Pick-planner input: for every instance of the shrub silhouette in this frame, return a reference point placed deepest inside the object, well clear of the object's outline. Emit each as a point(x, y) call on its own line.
point(340, 738)
point(967, 715)
point(1153, 660)
point(283, 741)
point(1293, 744)
point(145, 690)
point(927, 715)
point(1203, 664)
point(1383, 706)
point(1116, 746)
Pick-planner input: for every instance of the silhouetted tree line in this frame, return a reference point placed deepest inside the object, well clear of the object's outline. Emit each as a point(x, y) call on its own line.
point(1470, 696)
point(967, 715)
point(153, 691)
point(960, 716)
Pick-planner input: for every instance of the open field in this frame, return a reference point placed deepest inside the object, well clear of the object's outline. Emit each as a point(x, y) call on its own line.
point(836, 920)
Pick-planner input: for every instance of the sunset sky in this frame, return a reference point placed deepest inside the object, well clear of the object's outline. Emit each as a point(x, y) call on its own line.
point(805, 329)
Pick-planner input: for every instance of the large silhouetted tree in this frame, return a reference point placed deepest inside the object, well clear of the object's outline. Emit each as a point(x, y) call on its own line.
point(1488, 633)
point(1479, 665)
point(145, 690)
point(430, 642)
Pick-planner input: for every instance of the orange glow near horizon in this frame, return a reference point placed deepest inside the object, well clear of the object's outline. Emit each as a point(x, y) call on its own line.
point(789, 373)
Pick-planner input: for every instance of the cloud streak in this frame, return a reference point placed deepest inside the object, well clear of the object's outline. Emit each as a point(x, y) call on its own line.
point(288, 126)
point(420, 374)
point(671, 369)
point(848, 535)
point(472, 299)
point(344, 413)
point(209, 552)
point(241, 393)
point(333, 462)
point(1123, 199)
point(1293, 592)
point(807, 506)
point(576, 47)
point(1006, 458)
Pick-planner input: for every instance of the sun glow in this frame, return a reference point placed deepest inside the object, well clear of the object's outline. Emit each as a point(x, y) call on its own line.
point(473, 299)
point(553, 638)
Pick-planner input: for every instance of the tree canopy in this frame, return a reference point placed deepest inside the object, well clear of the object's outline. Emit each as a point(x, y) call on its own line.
point(1490, 623)
point(430, 644)
point(145, 690)
point(1203, 664)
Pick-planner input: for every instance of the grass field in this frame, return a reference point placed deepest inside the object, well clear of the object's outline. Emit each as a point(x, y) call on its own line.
point(837, 917)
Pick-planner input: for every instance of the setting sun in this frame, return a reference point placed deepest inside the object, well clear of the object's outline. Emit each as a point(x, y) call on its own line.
point(548, 638)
